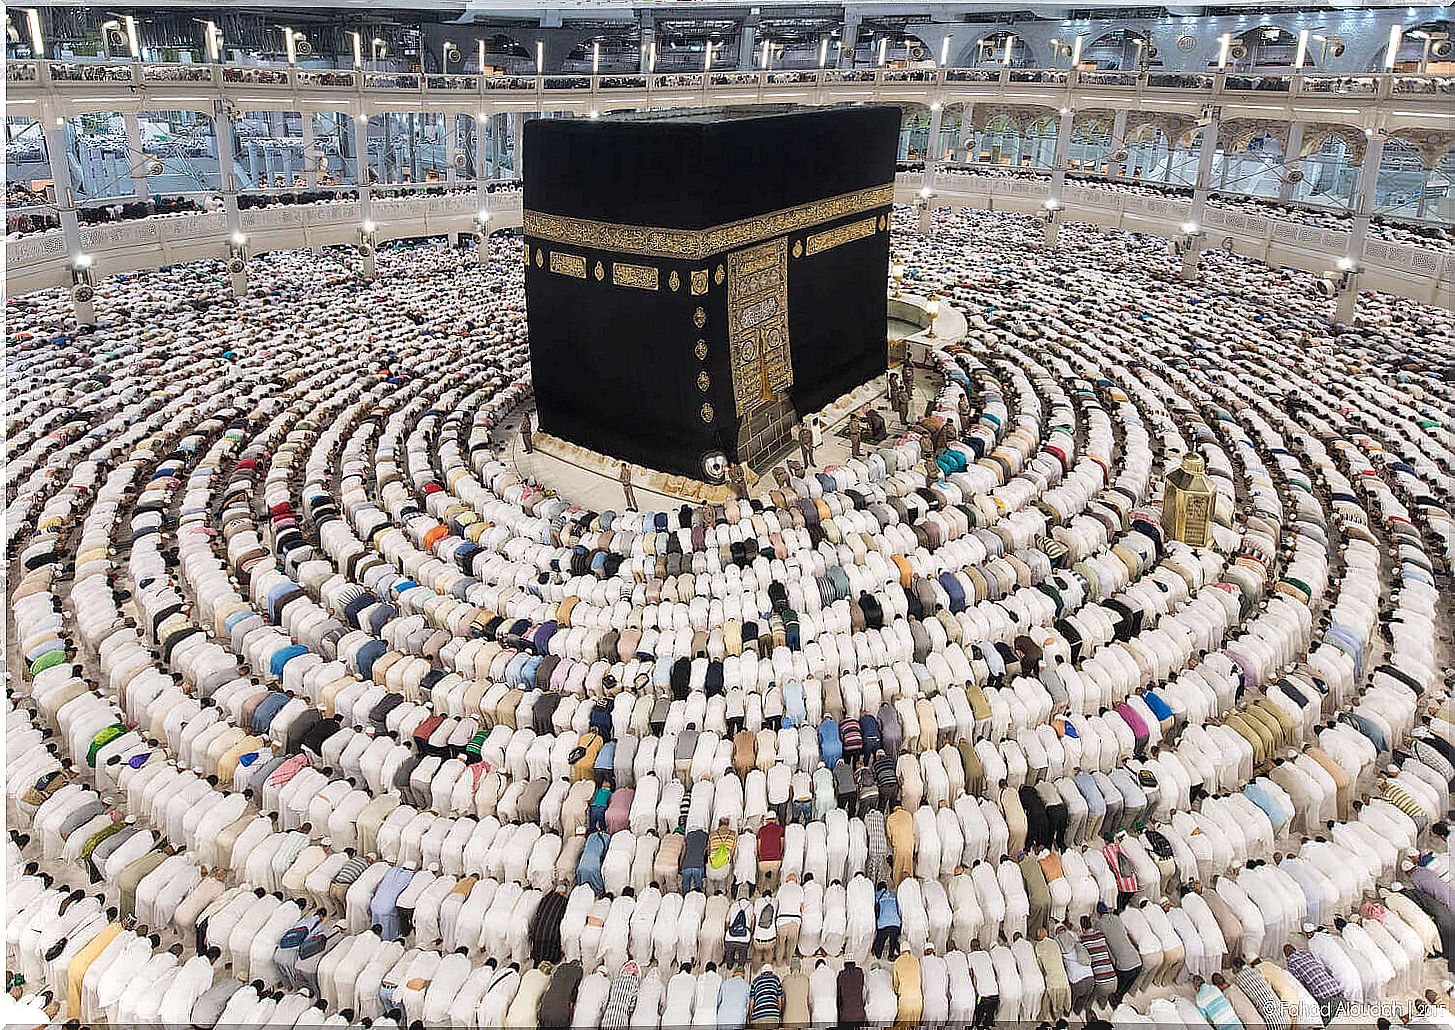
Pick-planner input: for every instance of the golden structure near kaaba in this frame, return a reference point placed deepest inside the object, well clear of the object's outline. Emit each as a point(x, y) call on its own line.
point(1187, 502)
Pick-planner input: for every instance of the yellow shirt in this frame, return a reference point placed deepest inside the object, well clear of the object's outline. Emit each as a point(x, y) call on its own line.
point(80, 962)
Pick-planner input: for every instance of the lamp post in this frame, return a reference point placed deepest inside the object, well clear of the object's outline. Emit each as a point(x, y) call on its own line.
point(932, 308)
point(482, 233)
point(237, 263)
point(368, 244)
point(896, 272)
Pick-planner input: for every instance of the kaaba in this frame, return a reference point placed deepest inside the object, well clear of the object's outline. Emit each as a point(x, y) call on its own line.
point(697, 281)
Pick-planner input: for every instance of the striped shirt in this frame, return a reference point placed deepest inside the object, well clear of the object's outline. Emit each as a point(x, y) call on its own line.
point(351, 870)
point(1216, 1008)
point(621, 1001)
point(1096, 946)
point(765, 997)
point(877, 861)
point(1261, 993)
point(1121, 868)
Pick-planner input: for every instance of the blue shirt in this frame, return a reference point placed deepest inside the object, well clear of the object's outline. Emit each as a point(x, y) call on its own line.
point(886, 909)
point(830, 746)
point(384, 905)
point(588, 870)
point(795, 709)
point(1159, 707)
point(732, 1003)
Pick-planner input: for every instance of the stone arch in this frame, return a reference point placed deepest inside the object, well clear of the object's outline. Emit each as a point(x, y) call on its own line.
point(1238, 133)
point(1092, 120)
point(1179, 129)
point(1019, 116)
point(1317, 132)
point(1432, 144)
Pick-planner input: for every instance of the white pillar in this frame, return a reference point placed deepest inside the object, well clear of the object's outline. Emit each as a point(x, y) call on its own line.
point(1422, 209)
point(361, 163)
point(1115, 169)
point(451, 173)
point(1292, 155)
point(381, 171)
point(518, 125)
point(932, 142)
point(748, 44)
point(1207, 148)
point(137, 159)
point(1058, 175)
point(311, 165)
point(849, 40)
point(1363, 208)
point(59, 158)
point(222, 135)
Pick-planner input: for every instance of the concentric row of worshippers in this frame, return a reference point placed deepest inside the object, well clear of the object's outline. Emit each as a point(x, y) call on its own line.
point(873, 726)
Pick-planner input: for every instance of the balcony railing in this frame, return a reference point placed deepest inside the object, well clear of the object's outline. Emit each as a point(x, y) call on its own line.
point(40, 259)
point(1306, 84)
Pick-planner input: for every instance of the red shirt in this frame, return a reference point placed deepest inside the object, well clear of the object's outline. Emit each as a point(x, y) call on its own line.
point(770, 842)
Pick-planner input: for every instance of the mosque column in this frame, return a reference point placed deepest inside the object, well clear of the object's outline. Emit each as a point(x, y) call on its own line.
point(932, 143)
point(361, 167)
point(497, 144)
point(1058, 175)
point(137, 159)
point(849, 40)
point(482, 165)
point(747, 43)
point(1115, 169)
point(385, 146)
point(82, 283)
point(648, 35)
point(451, 147)
point(1291, 155)
point(1202, 186)
point(1352, 263)
point(224, 140)
point(517, 126)
point(311, 164)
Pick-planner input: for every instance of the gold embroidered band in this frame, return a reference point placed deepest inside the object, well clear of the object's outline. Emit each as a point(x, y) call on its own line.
point(849, 232)
point(573, 265)
point(696, 244)
point(643, 277)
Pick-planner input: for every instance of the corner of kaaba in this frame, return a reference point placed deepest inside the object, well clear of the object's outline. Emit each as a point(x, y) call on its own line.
point(699, 281)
